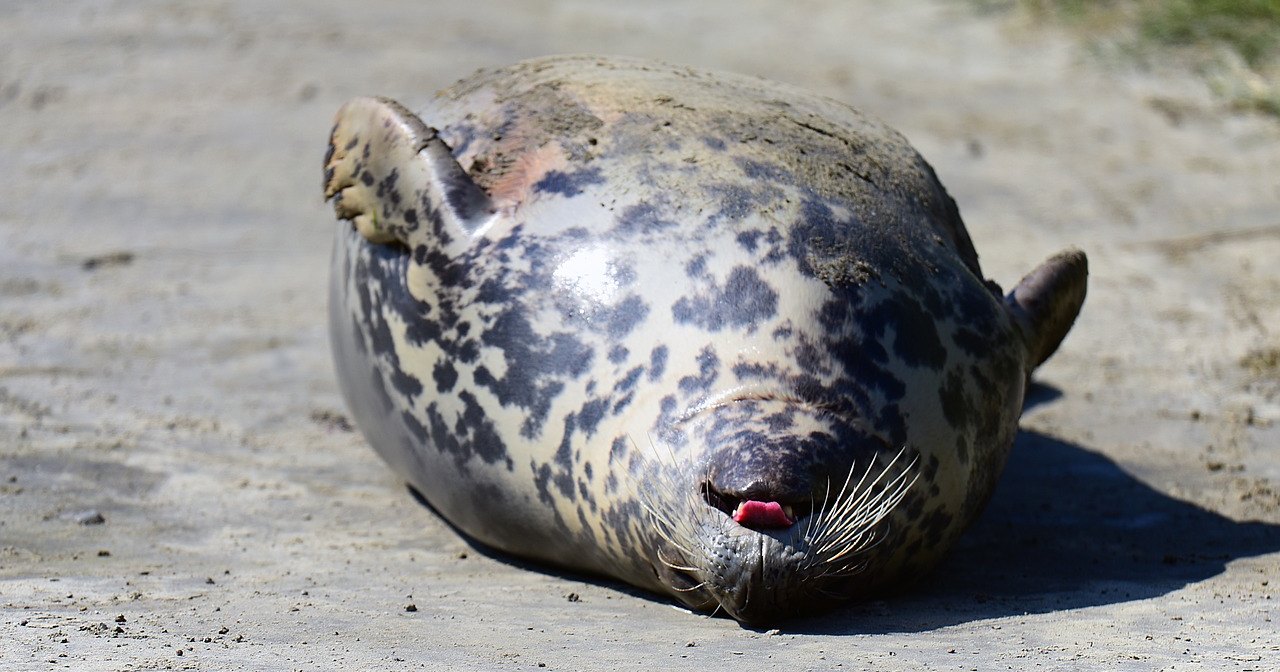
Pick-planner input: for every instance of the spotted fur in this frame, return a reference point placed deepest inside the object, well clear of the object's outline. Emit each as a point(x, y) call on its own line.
point(601, 301)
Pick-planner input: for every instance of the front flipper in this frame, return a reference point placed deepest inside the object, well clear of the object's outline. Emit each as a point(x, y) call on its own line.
point(1046, 302)
point(394, 177)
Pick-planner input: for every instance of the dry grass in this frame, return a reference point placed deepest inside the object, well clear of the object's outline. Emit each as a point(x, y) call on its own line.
point(1235, 43)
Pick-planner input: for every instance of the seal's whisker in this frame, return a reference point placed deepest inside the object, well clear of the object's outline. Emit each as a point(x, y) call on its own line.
point(716, 610)
point(690, 589)
point(827, 593)
point(668, 532)
point(816, 522)
point(831, 521)
point(666, 536)
point(673, 565)
point(862, 542)
point(843, 499)
point(865, 517)
point(845, 493)
point(863, 493)
point(677, 534)
point(808, 525)
point(868, 497)
point(850, 569)
point(671, 453)
point(848, 534)
point(853, 530)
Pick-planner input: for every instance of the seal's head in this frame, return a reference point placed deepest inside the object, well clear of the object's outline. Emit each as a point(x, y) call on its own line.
point(780, 497)
point(781, 513)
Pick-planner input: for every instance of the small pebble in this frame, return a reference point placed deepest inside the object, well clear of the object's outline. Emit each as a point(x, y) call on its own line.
point(86, 517)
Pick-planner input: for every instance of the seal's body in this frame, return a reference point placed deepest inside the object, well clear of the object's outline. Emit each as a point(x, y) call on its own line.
point(714, 336)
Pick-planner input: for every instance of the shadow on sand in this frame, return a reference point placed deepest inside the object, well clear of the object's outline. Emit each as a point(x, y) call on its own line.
point(1066, 528)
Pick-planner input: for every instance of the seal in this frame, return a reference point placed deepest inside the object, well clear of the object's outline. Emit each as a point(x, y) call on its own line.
point(716, 337)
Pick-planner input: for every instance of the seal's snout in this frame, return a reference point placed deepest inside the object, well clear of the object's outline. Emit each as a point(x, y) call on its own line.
point(771, 463)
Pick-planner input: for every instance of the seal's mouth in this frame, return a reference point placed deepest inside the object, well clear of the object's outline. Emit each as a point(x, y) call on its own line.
point(753, 513)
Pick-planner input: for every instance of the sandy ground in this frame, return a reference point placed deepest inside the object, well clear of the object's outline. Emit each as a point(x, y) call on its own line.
point(179, 488)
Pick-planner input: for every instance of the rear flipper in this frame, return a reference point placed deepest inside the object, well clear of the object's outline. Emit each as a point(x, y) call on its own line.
point(1046, 302)
point(394, 177)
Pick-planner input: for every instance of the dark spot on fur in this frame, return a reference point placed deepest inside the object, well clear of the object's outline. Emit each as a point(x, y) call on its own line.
point(697, 267)
point(759, 170)
point(745, 301)
point(590, 415)
point(936, 525)
point(623, 403)
point(618, 449)
point(971, 342)
point(568, 184)
point(542, 480)
point(930, 471)
point(668, 412)
point(629, 381)
point(810, 358)
point(708, 370)
point(642, 218)
point(625, 316)
point(445, 376)
point(484, 437)
point(406, 384)
point(387, 187)
point(562, 477)
point(419, 432)
point(916, 340)
point(755, 371)
point(657, 362)
point(535, 365)
point(585, 495)
point(778, 422)
point(956, 407)
point(468, 351)
point(749, 240)
point(468, 201)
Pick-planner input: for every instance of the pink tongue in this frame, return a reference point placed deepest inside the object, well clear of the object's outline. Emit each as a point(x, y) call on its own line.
point(751, 513)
